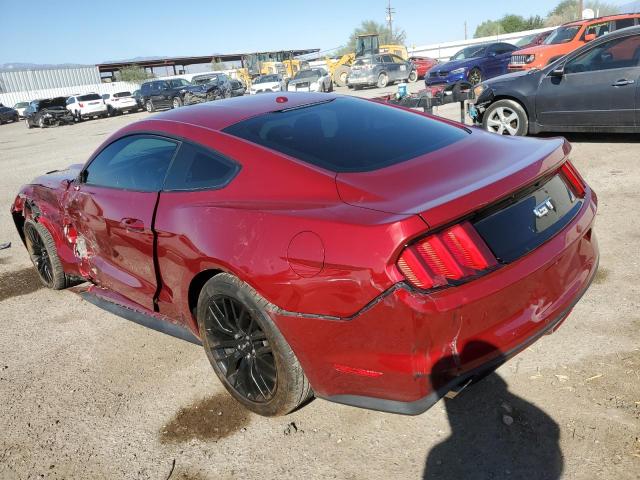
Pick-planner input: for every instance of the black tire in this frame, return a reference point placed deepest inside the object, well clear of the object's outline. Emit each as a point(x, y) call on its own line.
point(340, 75)
point(44, 256)
point(26, 120)
point(506, 117)
point(253, 348)
point(383, 80)
point(475, 76)
point(413, 76)
point(1, 121)
point(149, 106)
point(357, 87)
point(41, 122)
point(176, 102)
point(330, 85)
point(78, 116)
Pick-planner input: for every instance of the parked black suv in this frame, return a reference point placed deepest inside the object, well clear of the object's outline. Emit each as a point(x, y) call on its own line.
point(158, 94)
point(47, 112)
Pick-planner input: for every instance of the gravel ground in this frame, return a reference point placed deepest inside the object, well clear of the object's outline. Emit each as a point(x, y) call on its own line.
point(86, 394)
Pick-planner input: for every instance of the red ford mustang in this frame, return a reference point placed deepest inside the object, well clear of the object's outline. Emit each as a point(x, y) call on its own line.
point(322, 245)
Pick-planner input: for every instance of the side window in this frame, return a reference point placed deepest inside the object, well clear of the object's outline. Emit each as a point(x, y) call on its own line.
point(70, 100)
point(196, 168)
point(132, 163)
point(624, 23)
point(598, 29)
point(397, 59)
point(620, 53)
point(387, 58)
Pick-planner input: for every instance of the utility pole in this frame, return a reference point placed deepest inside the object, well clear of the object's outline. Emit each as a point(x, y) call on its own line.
point(580, 9)
point(390, 12)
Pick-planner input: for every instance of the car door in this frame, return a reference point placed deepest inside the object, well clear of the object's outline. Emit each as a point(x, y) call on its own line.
point(596, 89)
point(402, 68)
point(111, 206)
point(393, 70)
point(160, 94)
point(187, 223)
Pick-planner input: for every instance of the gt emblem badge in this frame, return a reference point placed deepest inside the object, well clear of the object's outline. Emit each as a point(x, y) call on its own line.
point(544, 208)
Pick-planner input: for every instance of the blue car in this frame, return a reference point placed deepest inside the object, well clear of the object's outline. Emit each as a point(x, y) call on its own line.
point(472, 64)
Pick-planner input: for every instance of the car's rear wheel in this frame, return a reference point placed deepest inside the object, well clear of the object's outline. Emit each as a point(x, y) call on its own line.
point(149, 106)
point(506, 117)
point(475, 76)
point(248, 353)
point(413, 77)
point(383, 80)
point(43, 253)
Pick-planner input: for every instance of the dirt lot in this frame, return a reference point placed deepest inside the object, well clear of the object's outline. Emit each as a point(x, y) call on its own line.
point(86, 394)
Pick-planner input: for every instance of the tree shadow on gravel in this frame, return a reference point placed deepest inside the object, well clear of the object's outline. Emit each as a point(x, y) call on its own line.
point(495, 434)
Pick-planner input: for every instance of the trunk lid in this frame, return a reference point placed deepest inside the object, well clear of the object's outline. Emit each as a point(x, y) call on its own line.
point(447, 184)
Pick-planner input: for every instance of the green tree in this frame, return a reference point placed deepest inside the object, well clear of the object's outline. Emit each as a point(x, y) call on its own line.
point(133, 74)
point(371, 26)
point(508, 24)
point(567, 11)
point(219, 66)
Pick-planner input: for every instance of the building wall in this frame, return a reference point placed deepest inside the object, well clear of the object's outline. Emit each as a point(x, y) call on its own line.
point(24, 80)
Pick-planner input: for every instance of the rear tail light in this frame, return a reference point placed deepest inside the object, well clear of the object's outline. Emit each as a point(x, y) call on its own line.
point(573, 177)
point(449, 257)
point(81, 105)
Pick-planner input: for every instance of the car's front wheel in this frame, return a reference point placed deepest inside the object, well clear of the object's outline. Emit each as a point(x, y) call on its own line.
point(413, 77)
point(43, 253)
point(506, 117)
point(247, 351)
point(27, 123)
point(149, 106)
point(176, 102)
point(475, 76)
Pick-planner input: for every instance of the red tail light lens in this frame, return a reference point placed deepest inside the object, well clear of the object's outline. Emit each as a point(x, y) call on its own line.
point(573, 177)
point(81, 105)
point(446, 258)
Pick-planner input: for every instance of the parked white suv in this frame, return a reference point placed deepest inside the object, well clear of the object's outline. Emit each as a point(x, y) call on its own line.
point(86, 106)
point(120, 102)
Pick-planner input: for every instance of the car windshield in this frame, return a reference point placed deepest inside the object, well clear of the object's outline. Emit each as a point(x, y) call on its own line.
point(122, 94)
point(21, 105)
point(307, 74)
point(526, 40)
point(562, 35)
point(347, 134)
point(267, 79)
point(470, 52)
point(89, 97)
point(205, 80)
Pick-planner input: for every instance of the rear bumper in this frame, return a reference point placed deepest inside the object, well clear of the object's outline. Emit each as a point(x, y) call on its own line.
point(407, 349)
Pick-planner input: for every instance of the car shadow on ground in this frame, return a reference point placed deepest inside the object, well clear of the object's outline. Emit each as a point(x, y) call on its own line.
point(495, 435)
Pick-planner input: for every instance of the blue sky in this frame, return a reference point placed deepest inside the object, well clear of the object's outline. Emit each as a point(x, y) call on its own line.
point(75, 31)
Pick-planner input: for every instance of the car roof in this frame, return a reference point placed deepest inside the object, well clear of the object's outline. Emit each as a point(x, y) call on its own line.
point(223, 113)
point(599, 19)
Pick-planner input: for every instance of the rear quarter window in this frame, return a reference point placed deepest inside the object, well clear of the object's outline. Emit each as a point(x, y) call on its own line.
point(196, 168)
point(348, 134)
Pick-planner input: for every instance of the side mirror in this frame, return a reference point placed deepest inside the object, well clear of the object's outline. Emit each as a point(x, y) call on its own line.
point(82, 177)
point(558, 71)
point(589, 37)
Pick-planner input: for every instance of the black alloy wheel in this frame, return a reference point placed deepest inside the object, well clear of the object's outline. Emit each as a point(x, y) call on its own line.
point(39, 255)
point(240, 349)
point(475, 77)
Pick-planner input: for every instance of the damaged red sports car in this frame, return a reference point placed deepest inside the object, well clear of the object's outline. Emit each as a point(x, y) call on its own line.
point(322, 245)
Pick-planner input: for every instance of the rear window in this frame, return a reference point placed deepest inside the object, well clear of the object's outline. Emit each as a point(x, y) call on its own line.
point(348, 134)
point(122, 94)
point(90, 96)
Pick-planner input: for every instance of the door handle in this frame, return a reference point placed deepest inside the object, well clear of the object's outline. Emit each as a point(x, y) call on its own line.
point(622, 83)
point(132, 224)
